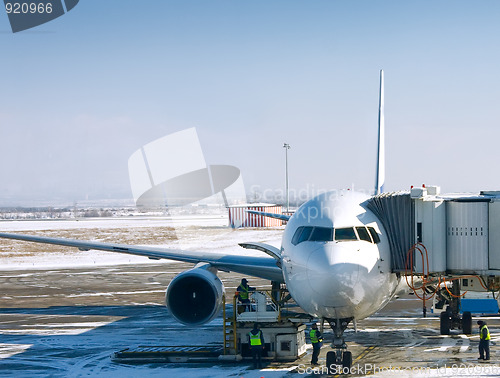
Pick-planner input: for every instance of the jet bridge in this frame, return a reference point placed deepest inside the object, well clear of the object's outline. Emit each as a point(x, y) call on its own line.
point(446, 240)
point(395, 211)
point(461, 233)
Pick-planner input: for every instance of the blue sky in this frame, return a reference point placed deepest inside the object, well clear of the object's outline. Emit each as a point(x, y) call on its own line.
point(80, 94)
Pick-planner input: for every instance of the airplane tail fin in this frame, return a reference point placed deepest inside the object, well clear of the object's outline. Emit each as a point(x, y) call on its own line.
point(380, 177)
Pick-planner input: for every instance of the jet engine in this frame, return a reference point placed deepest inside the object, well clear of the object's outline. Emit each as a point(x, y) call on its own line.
point(194, 297)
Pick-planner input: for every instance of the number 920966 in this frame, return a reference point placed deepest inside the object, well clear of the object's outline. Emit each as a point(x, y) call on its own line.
point(28, 7)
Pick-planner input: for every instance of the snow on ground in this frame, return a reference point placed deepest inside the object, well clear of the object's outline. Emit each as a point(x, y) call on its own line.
point(61, 348)
point(9, 350)
point(115, 222)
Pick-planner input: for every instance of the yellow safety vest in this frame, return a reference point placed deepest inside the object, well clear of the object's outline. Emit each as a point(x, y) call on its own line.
point(255, 339)
point(243, 292)
point(314, 337)
point(488, 337)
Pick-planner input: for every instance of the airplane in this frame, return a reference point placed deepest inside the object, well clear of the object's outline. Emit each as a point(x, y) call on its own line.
point(334, 259)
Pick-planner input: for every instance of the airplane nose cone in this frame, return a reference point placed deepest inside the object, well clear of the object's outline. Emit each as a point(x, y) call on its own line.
point(331, 276)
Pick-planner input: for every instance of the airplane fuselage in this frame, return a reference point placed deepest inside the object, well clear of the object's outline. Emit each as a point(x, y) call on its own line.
point(336, 258)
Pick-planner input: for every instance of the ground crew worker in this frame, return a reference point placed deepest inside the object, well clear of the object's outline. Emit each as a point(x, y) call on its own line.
point(316, 341)
point(484, 341)
point(256, 342)
point(243, 294)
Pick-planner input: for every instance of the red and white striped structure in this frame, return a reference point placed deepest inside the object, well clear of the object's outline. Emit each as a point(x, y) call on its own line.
point(239, 217)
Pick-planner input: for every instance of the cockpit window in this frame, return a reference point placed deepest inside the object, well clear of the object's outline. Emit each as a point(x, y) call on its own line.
point(312, 234)
point(325, 234)
point(373, 233)
point(345, 234)
point(302, 234)
point(322, 234)
point(296, 236)
point(363, 234)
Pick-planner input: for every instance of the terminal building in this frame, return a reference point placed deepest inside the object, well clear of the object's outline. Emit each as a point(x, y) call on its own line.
point(239, 215)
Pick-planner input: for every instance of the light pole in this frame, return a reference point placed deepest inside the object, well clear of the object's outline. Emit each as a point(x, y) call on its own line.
point(286, 146)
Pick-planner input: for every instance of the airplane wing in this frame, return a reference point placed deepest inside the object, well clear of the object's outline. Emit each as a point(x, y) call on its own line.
point(282, 217)
point(263, 267)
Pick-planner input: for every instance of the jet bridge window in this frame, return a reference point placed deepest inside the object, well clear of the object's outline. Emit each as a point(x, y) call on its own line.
point(345, 234)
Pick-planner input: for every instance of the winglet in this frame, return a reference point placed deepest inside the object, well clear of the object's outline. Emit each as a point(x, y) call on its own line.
point(380, 178)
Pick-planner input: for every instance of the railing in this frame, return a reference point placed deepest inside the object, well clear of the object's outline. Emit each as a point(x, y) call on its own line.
point(261, 308)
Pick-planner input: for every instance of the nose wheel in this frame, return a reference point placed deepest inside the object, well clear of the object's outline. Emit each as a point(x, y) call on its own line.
point(339, 360)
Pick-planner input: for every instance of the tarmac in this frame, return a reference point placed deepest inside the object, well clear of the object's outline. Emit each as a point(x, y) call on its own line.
point(68, 322)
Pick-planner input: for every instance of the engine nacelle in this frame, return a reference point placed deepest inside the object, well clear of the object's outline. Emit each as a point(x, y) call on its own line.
point(194, 297)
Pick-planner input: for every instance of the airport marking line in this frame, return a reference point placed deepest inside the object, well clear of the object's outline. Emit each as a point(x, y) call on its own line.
point(362, 355)
point(449, 342)
point(365, 352)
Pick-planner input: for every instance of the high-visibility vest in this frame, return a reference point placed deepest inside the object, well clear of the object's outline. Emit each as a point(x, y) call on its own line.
point(314, 336)
point(488, 337)
point(243, 292)
point(255, 339)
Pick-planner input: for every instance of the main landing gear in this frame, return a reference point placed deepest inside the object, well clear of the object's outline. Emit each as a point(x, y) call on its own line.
point(339, 360)
point(451, 319)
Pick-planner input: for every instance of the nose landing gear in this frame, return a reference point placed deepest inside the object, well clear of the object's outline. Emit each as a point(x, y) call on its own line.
point(339, 360)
